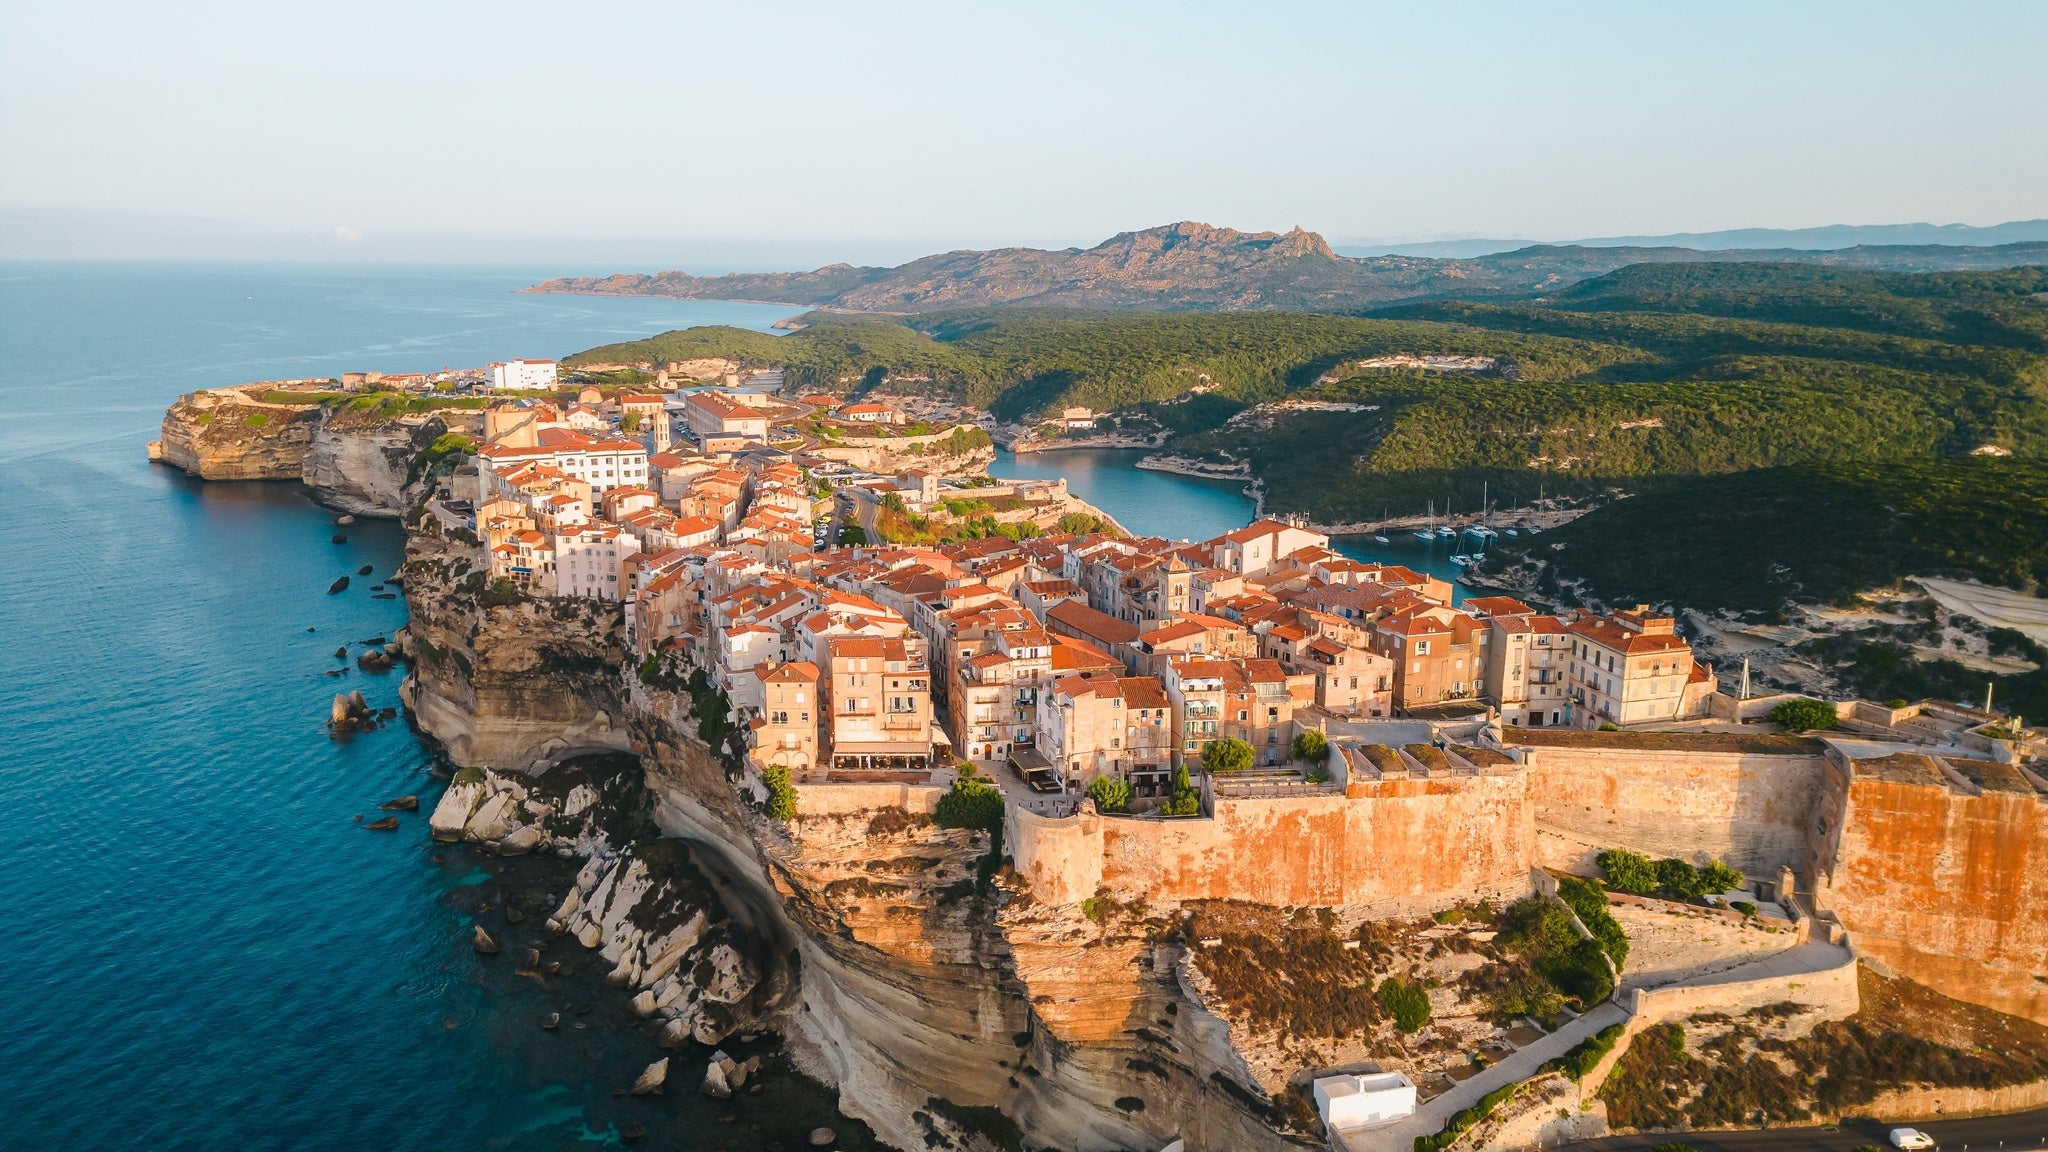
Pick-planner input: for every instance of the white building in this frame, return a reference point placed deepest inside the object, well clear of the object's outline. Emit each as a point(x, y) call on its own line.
point(522, 374)
point(604, 464)
point(1362, 1101)
point(587, 563)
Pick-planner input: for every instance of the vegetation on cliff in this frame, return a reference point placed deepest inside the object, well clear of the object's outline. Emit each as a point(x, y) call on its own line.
point(1715, 1071)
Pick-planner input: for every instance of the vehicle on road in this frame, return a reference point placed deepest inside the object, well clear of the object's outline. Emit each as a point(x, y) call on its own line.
point(1911, 1138)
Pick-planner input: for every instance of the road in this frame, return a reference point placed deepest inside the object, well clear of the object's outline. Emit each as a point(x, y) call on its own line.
point(2013, 1132)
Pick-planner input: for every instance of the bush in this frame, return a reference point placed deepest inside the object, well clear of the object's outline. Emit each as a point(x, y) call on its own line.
point(1312, 746)
point(1408, 1004)
point(1587, 1053)
point(1719, 877)
point(256, 419)
point(1680, 880)
point(973, 803)
point(1110, 794)
point(1589, 903)
point(1226, 755)
point(1464, 1119)
point(1804, 715)
point(1743, 906)
point(1627, 871)
point(781, 793)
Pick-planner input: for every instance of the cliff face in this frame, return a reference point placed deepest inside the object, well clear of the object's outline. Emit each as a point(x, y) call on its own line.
point(225, 436)
point(1945, 882)
point(355, 462)
point(924, 1000)
point(859, 929)
point(513, 684)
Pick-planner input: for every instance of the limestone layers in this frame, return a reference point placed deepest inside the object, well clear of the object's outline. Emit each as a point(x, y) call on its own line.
point(357, 462)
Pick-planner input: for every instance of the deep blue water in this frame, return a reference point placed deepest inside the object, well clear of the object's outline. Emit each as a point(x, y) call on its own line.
point(209, 951)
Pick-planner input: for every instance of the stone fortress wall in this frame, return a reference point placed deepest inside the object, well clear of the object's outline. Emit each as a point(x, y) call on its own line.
point(1942, 879)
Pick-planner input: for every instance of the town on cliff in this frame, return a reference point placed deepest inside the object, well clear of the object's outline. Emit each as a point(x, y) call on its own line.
point(1133, 842)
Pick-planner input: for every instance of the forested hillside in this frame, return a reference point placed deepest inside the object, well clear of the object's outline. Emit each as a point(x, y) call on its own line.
point(1649, 372)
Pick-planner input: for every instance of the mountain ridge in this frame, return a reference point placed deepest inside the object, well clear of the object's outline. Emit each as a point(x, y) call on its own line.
point(1193, 266)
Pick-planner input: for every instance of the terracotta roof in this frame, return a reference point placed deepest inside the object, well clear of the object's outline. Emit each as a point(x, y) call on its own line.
point(1092, 624)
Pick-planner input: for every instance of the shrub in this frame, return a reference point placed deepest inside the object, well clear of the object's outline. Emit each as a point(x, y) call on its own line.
point(1110, 794)
point(1587, 1053)
point(1408, 1004)
point(1680, 880)
point(1226, 755)
point(1590, 905)
point(973, 803)
point(1743, 906)
point(1627, 871)
point(1610, 727)
point(1719, 877)
point(1804, 715)
point(1312, 746)
point(256, 419)
point(1464, 1119)
point(650, 668)
point(781, 793)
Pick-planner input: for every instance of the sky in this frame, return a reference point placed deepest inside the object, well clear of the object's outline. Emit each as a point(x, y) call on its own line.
point(629, 136)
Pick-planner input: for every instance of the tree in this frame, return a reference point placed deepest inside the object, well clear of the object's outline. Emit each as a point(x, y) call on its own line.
point(973, 803)
point(1680, 880)
point(852, 535)
point(781, 793)
point(1627, 871)
point(630, 422)
point(1312, 746)
point(1804, 715)
point(1110, 794)
point(1719, 877)
point(1184, 801)
point(1226, 755)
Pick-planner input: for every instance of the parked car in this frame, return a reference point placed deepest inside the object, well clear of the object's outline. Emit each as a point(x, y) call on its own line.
point(1911, 1138)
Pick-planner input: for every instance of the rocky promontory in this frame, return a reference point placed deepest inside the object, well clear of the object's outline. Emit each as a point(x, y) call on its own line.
point(361, 462)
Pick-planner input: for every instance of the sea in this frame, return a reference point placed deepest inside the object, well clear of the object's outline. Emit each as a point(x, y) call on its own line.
point(213, 951)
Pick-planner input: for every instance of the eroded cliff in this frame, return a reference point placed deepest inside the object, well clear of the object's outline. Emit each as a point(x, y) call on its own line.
point(902, 965)
point(360, 462)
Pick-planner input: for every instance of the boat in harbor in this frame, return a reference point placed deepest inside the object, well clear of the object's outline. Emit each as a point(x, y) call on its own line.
point(1511, 533)
point(1462, 559)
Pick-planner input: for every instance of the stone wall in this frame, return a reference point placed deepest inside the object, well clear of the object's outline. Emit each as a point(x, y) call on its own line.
point(1401, 847)
point(1943, 884)
point(1752, 810)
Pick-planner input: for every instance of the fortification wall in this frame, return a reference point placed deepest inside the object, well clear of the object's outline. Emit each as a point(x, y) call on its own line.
point(1753, 810)
point(1406, 846)
point(1945, 887)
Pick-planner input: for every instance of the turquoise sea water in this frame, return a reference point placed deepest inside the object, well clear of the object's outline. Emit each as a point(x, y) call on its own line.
point(209, 952)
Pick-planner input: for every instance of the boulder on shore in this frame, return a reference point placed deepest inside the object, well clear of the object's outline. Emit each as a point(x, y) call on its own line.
point(401, 804)
point(337, 586)
point(338, 538)
point(365, 570)
point(457, 805)
point(349, 712)
point(341, 653)
point(387, 824)
point(374, 660)
point(344, 520)
point(485, 943)
point(520, 841)
point(651, 1080)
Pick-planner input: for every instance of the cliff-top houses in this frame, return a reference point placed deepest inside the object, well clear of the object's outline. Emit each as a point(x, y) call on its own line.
point(1056, 659)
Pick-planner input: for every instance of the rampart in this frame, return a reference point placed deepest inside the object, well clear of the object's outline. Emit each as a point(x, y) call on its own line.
point(1393, 847)
point(1939, 867)
point(1745, 800)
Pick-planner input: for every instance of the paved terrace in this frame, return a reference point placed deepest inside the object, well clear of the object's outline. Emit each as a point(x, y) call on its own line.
point(1522, 1064)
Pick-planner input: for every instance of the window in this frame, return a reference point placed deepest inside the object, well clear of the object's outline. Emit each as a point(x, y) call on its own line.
point(1422, 647)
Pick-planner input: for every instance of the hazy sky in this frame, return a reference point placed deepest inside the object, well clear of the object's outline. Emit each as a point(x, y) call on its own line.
point(642, 134)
